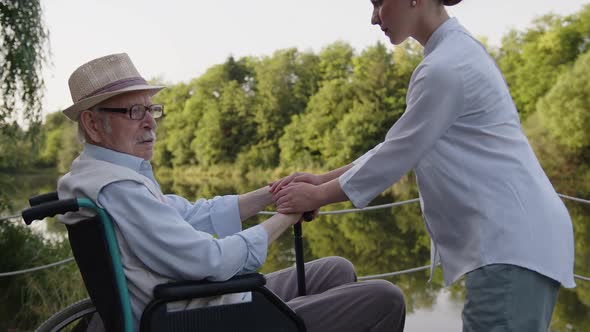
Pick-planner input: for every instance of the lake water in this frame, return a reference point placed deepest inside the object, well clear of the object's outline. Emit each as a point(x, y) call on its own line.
point(376, 242)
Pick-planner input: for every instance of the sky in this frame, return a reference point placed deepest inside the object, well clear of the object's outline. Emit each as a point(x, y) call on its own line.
point(178, 40)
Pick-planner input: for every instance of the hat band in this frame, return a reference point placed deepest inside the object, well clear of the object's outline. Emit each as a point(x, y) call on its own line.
point(116, 85)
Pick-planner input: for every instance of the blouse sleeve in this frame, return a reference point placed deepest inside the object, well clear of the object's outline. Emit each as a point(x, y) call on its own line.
point(435, 100)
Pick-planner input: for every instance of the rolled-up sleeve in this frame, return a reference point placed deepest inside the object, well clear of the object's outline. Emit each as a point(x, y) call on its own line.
point(164, 241)
point(435, 100)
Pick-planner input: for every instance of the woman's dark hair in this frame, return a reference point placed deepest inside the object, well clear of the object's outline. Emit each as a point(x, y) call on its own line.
point(450, 2)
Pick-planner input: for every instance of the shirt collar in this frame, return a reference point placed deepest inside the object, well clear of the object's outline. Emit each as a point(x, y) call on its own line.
point(118, 158)
point(439, 34)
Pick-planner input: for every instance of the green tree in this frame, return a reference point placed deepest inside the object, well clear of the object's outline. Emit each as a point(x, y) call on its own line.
point(304, 140)
point(15, 148)
point(51, 132)
point(350, 114)
point(29, 299)
point(23, 52)
point(284, 83)
point(23, 47)
point(336, 61)
point(59, 142)
point(210, 114)
point(70, 147)
point(533, 60)
point(226, 127)
point(182, 121)
point(173, 98)
point(309, 138)
point(564, 110)
point(376, 106)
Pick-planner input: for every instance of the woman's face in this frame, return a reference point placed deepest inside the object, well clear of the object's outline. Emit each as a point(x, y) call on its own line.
point(394, 17)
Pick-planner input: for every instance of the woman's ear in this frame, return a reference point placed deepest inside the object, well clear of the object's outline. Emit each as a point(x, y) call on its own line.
point(92, 126)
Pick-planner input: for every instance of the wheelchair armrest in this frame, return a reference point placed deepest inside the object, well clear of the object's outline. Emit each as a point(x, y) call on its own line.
point(181, 290)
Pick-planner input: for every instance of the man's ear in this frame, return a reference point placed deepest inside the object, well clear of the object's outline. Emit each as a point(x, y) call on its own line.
point(92, 126)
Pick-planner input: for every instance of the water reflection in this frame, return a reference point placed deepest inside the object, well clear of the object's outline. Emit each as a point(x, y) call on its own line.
point(19, 187)
point(376, 242)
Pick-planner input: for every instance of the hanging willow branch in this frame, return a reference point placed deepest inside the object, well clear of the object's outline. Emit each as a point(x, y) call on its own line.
point(24, 43)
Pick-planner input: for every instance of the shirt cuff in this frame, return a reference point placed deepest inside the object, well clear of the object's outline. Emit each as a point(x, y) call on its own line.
point(225, 215)
point(356, 197)
point(257, 241)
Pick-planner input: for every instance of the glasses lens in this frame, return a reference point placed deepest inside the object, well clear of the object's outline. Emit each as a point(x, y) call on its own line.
point(156, 111)
point(137, 112)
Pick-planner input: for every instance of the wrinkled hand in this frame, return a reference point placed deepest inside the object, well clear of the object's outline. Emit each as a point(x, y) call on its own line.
point(297, 197)
point(295, 177)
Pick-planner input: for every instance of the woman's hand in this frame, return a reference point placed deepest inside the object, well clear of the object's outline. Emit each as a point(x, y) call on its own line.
point(276, 186)
point(297, 197)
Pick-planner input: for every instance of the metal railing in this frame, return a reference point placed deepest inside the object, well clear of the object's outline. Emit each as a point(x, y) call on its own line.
point(370, 208)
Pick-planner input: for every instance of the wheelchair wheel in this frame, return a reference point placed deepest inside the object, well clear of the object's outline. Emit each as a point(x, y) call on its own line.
point(75, 317)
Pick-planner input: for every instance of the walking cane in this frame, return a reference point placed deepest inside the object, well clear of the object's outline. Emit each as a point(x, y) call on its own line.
point(299, 263)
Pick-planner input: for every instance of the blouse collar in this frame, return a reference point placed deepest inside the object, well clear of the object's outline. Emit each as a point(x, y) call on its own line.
point(439, 34)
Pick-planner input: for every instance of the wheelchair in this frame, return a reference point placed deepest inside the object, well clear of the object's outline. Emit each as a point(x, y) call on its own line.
point(96, 252)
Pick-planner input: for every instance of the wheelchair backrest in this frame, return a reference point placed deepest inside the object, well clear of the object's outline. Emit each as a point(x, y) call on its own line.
point(90, 247)
point(96, 252)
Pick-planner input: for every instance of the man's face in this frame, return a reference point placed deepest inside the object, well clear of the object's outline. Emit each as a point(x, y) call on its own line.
point(134, 137)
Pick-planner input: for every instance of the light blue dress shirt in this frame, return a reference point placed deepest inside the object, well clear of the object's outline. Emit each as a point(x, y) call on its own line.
point(484, 197)
point(176, 239)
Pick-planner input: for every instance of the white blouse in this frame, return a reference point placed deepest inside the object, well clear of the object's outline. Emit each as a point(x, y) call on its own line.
point(484, 196)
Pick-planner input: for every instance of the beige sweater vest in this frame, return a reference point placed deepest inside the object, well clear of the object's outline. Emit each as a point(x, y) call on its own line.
point(86, 179)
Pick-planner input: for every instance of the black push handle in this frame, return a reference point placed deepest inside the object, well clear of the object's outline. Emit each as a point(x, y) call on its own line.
point(43, 198)
point(308, 216)
point(299, 261)
point(49, 209)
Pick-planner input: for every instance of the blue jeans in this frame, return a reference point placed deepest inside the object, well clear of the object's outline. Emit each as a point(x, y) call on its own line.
point(502, 297)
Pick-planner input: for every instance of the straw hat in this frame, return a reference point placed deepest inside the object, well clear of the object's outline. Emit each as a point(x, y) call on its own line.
point(101, 79)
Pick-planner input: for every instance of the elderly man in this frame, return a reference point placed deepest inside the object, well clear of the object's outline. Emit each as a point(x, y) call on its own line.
point(166, 237)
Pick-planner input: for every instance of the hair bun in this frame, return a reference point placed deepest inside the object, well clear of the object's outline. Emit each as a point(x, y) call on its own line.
point(451, 2)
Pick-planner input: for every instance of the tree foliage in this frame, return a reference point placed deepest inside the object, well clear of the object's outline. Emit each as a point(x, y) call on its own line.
point(29, 299)
point(533, 60)
point(565, 110)
point(23, 52)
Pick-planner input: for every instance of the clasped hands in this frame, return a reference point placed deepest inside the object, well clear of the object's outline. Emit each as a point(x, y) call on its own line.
point(296, 193)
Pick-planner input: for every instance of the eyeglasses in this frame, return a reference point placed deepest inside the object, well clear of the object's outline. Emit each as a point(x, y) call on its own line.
point(137, 112)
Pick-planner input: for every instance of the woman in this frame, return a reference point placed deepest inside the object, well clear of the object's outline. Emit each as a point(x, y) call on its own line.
point(490, 209)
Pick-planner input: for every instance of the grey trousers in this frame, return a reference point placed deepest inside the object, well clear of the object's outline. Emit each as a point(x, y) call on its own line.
point(508, 298)
point(336, 302)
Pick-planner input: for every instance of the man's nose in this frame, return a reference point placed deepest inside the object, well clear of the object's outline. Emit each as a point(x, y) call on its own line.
point(375, 20)
point(149, 122)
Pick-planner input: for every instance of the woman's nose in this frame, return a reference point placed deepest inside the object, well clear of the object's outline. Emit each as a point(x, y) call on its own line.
point(375, 20)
